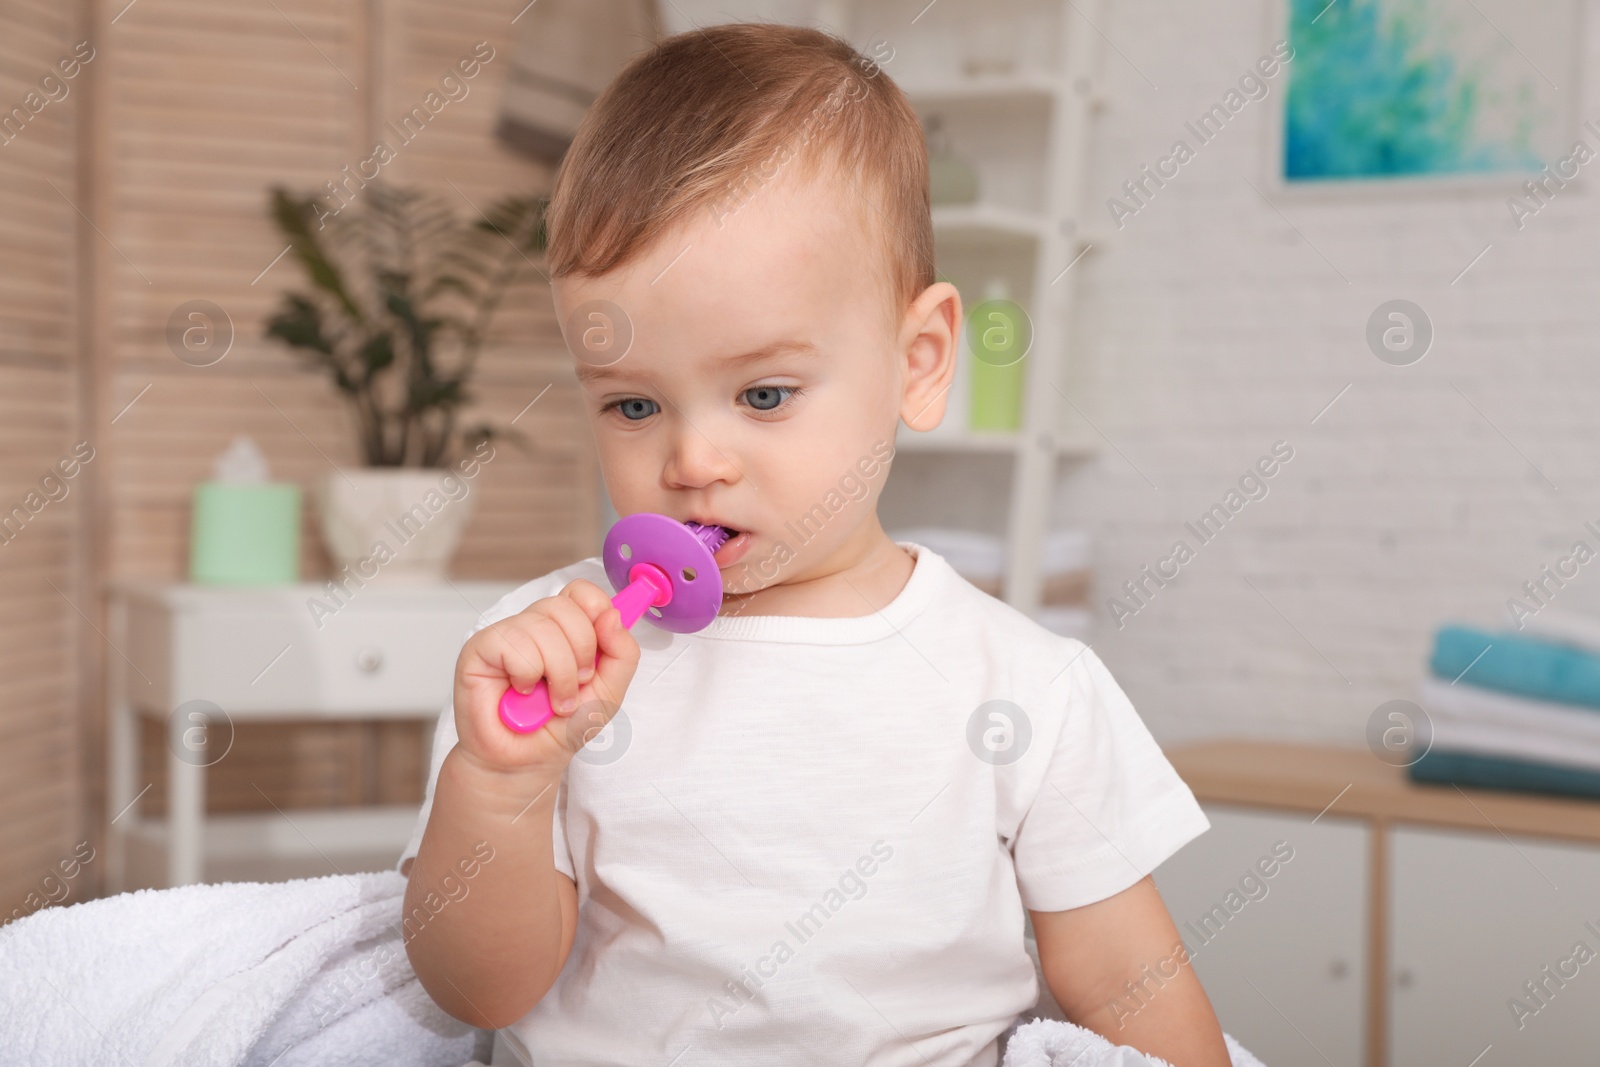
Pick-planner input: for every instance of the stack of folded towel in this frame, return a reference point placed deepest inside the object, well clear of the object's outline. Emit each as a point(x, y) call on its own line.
point(1515, 710)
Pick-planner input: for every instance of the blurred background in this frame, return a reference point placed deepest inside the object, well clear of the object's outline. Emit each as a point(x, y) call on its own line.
point(1277, 390)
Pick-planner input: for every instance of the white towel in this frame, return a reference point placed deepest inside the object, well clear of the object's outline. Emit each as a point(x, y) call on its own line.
point(1467, 718)
point(1054, 1043)
point(306, 972)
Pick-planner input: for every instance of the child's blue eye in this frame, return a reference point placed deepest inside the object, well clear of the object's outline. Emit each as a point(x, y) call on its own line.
point(760, 397)
point(630, 408)
point(766, 398)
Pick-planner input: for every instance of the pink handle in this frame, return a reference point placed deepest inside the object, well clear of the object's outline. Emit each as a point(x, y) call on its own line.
point(648, 586)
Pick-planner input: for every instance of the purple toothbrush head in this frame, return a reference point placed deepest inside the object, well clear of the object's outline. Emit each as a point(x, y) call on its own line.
point(684, 552)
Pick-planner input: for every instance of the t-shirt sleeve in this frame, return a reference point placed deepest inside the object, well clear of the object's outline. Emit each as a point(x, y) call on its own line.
point(444, 739)
point(1110, 807)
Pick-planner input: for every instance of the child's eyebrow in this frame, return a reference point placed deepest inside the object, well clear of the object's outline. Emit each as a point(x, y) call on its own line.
point(589, 373)
point(773, 348)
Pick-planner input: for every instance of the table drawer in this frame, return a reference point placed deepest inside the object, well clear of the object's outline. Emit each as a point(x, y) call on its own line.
point(286, 661)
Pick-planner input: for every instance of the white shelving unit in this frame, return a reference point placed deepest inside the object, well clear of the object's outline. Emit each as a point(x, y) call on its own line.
point(1027, 131)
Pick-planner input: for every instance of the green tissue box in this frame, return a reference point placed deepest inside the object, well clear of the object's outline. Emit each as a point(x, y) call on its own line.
point(245, 534)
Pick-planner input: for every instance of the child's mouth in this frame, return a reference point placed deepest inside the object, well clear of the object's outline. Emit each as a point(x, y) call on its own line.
point(727, 544)
point(733, 548)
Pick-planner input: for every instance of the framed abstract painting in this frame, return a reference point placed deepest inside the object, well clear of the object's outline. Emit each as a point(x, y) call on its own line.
point(1399, 93)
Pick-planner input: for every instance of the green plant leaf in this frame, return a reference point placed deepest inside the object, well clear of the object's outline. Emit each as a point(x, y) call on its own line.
point(486, 431)
point(437, 394)
point(401, 296)
point(377, 354)
point(299, 324)
point(293, 218)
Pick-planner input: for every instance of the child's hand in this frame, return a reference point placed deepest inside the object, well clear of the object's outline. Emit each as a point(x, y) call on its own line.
point(556, 639)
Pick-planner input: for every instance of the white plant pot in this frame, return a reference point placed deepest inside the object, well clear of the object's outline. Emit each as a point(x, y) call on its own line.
point(394, 524)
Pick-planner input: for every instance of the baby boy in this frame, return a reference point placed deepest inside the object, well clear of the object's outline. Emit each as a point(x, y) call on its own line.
point(808, 833)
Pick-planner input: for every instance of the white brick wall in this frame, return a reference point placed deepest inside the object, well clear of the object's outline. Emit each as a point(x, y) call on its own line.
point(1208, 329)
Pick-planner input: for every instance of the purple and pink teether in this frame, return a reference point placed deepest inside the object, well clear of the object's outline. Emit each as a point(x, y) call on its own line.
point(657, 564)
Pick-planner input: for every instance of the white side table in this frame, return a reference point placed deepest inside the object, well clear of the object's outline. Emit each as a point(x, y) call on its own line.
point(202, 658)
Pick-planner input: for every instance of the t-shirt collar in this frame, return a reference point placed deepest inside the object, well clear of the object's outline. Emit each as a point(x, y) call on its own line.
point(927, 576)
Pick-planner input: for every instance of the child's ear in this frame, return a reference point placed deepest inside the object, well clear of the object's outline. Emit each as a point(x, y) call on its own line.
point(930, 341)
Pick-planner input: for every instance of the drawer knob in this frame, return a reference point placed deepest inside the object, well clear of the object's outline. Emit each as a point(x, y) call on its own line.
point(369, 659)
point(1405, 979)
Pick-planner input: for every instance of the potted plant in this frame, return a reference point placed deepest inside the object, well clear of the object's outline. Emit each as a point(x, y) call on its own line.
point(401, 294)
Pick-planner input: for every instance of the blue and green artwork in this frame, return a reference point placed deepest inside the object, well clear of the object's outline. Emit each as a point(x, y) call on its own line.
point(1414, 88)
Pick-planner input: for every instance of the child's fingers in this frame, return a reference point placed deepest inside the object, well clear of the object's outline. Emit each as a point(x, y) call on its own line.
point(538, 643)
point(553, 639)
point(504, 647)
point(594, 601)
point(588, 596)
point(619, 657)
point(591, 603)
point(560, 665)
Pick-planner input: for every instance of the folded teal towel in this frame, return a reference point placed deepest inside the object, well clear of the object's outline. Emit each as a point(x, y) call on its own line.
point(1478, 771)
point(1517, 663)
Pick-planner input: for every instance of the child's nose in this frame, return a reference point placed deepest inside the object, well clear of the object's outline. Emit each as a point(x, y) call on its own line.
point(697, 460)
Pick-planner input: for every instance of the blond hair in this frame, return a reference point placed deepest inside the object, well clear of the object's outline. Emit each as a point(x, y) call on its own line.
point(706, 118)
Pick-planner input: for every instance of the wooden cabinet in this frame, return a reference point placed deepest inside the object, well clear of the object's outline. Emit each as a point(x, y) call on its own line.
point(1416, 917)
point(1474, 917)
point(1281, 955)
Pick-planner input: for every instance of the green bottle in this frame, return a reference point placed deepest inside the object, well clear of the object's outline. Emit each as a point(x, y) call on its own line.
point(997, 330)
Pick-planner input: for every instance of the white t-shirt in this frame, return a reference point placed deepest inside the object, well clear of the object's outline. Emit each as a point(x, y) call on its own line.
point(810, 840)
